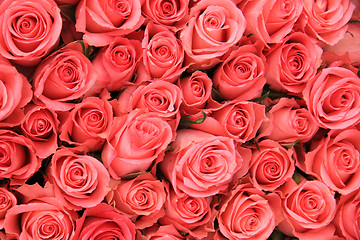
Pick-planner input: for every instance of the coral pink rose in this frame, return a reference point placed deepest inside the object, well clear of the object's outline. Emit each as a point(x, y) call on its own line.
point(246, 213)
point(80, 181)
point(40, 125)
point(66, 2)
point(103, 222)
point(335, 160)
point(333, 98)
point(137, 140)
point(289, 123)
point(163, 55)
point(103, 21)
point(292, 63)
point(7, 201)
point(63, 77)
point(213, 28)
point(116, 63)
point(309, 210)
point(270, 20)
point(202, 164)
point(241, 75)
point(29, 30)
point(88, 124)
point(141, 199)
point(165, 232)
point(326, 20)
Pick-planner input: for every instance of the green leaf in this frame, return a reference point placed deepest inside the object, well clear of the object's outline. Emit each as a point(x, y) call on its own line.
point(185, 122)
point(251, 34)
point(262, 97)
point(133, 175)
point(257, 145)
point(296, 177)
point(83, 46)
point(354, 21)
point(296, 142)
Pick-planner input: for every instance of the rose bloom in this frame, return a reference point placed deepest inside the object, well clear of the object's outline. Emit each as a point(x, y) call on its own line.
point(309, 210)
point(29, 30)
point(40, 125)
point(103, 21)
point(193, 215)
point(246, 213)
point(213, 28)
point(137, 140)
point(165, 232)
point(270, 20)
point(333, 98)
point(88, 124)
point(141, 199)
point(80, 181)
point(292, 63)
point(234, 119)
point(202, 164)
point(66, 2)
point(116, 63)
point(103, 222)
point(335, 160)
point(62, 78)
point(241, 75)
point(17, 160)
point(326, 20)
point(289, 123)
point(7, 201)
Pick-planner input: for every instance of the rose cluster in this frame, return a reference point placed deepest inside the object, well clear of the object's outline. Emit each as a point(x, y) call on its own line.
point(179, 119)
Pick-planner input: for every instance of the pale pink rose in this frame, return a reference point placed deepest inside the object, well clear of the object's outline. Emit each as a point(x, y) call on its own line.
point(326, 20)
point(7, 201)
point(165, 232)
point(272, 166)
point(88, 124)
point(80, 181)
point(241, 75)
point(333, 98)
point(163, 55)
point(29, 30)
point(193, 215)
point(103, 21)
point(270, 20)
point(347, 215)
point(141, 199)
point(309, 210)
point(292, 63)
point(171, 14)
point(137, 140)
point(246, 213)
point(116, 63)
point(18, 160)
point(289, 122)
point(103, 222)
point(202, 164)
point(41, 126)
point(235, 119)
point(213, 28)
point(63, 77)
point(335, 160)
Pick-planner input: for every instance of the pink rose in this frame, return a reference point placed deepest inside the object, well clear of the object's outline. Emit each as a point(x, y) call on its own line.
point(335, 160)
point(326, 20)
point(80, 181)
point(88, 124)
point(17, 159)
point(292, 63)
point(66, 2)
point(333, 98)
point(103, 21)
point(309, 210)
point(8, 200)
point(103, 222)
point(116, 63)
point(213, 28)
point(202, 164)
point(270, 20)
point(289, 122)
point(235, 119)
point(29, 30)
point(246, 213)
point(63, 77)
point(40, 125)
point(137, 140)
point(165, 232)
point(171, 14)
point(241, 75)
point(141, 199)
point(163, 55)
